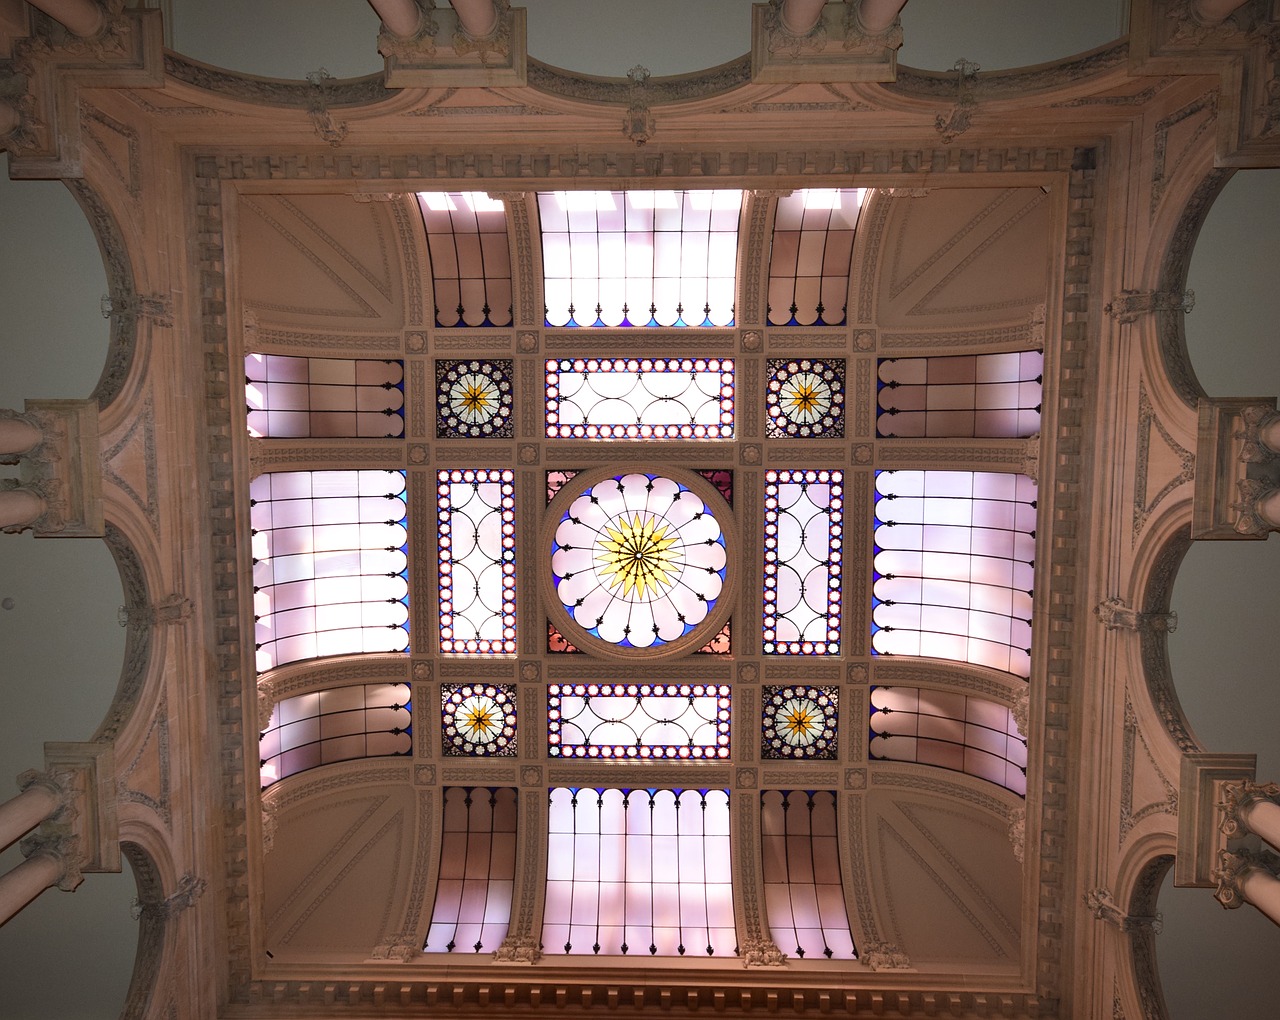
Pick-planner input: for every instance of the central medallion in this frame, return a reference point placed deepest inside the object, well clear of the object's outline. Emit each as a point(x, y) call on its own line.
point(639, 560)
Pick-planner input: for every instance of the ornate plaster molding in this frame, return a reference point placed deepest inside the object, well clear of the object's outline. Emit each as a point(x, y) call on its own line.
point(1115, 614)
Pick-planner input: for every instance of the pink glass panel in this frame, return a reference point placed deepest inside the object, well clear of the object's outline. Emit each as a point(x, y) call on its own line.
point(328, 564)
point(477, 561)
point(955, 566)
point(477, 871)
point(320, 398)
point(470, 257)
point(809, 260)
point(337, 724)
point(804, 897)
point(630, 873)
point(984, 395)
point(954, 731)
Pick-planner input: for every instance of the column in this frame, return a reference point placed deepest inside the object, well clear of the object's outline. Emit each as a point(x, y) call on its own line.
point(876, 16)
point(1212, 12)
point(1252, 807)
point(478, 18)
point(18, 434)
point(20, 508)
point(80, 17)
point(800, 17)
point(402, 18)
point(50, 861)
point(42, 796)
point(1248, 877)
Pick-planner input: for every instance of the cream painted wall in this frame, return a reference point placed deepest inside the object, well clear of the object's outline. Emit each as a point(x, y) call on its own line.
point(69, 956)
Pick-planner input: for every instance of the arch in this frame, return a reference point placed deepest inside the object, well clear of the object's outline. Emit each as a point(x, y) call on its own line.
point(138, 634)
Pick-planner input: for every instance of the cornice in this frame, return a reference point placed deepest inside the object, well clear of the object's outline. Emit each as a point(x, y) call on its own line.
point(1013, 83)
point(277, 91)
point(663, 91)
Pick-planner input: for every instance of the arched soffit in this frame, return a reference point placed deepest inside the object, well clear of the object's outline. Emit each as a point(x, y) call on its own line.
point(1170, 325)
point(139, 630)
point(339, 671)
point(948, 887)
point(151, 931)
point(952, 267)
point(938, 674)
point(1231, 332)
point(1144, 969)
point(121, 291)
point(1153, 599)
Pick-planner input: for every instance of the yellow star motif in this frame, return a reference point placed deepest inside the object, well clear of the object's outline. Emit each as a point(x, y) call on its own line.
point(805, 397)
point(799, 721)
point(473, 397)
point(478, 719)
point(636, 555)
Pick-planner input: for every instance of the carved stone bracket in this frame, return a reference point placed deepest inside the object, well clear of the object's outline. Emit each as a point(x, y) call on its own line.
point(173, 608)
point(1237, 471)
point(332, 131)
point(1104, 908)
point(402, 946)
point(190, 888)
point(1130, 305)
point(760, 951)
point(838, 48)
point(62, 469)
point(885, 956)
point(1236, 797)
point(1018, 833)
point(1115, 614)
point(266, 702)
point(66, 850)
point(270, 822)
point(1234, 867)
point(638, 124)
point(518, 949)
point(443, 54)
point(1259, 425)
point(956, 122)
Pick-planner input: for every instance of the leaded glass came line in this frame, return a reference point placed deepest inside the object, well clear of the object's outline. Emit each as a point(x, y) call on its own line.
point(647, 721)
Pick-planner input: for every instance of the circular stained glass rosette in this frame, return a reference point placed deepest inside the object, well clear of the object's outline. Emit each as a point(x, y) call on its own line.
point(474, 399)
point(478, 720)
point(799, 722)
point(805, 398)
point(638, 560)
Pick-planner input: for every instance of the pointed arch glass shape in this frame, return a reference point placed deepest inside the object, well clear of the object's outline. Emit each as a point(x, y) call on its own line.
point(989, 396)
point(472, 907)
point(330, 571)
point(335, 724)
point(323, 398)
point(800, 859)
point(961, 732)
point(639, 258)
point(636, 872)
point(810, 257)
point(470, 257)
point(954, 567)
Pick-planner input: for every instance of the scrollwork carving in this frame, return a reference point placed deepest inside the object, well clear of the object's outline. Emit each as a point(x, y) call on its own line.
point(760, 951)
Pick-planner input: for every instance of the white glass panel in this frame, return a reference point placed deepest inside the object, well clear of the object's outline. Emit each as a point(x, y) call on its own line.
point(803, 542)
point(811, 254)
point(477, 561)
point(470, 259)
point(615, 721)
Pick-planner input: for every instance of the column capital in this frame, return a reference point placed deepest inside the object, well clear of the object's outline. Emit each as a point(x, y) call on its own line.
point(1237, 798)
point(760, 951)
point(1236, 866)
point(519, 949)
point(885, 956)
point(67, 851)
point(57, 783)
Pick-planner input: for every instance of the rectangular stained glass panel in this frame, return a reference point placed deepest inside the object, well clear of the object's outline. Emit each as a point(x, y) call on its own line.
point(476, 509)
point(638, 872)
point(639, 258)
point(477, 871)
point(803, 894)
point(980, 395)
point(803, 539)
point(955, 566)
point(329, 564)
point(640, 398)
point(336, 724)
point(323, 398)
point(470, 257)
point(955, 731)
point(645, 721)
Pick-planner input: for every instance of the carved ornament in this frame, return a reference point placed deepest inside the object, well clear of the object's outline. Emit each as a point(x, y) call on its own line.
point(1236, 797)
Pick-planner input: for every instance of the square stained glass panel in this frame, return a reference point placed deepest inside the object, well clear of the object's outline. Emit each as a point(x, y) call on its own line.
point(799, 722)
point(804, 398)
point(474, 399)
point(478, 720)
